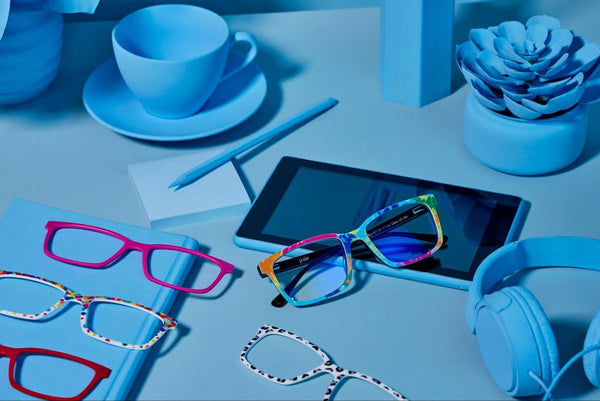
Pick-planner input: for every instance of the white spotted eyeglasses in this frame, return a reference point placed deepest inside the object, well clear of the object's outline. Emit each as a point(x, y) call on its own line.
point(327, 366)
point(97, 312)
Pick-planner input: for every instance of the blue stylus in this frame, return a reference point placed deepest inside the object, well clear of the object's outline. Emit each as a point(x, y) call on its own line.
point(192, 175)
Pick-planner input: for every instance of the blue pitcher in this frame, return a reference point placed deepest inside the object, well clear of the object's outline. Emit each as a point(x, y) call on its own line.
point(30, 45)
point(4, 7)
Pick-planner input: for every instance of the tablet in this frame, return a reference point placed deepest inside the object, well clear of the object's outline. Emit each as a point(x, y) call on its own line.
point(304, 198)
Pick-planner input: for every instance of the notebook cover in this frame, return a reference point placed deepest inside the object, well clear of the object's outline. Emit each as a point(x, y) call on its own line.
point(217, 194)
point(22, 233)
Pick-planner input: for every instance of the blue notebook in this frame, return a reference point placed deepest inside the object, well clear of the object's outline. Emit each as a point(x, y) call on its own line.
point(22, 233)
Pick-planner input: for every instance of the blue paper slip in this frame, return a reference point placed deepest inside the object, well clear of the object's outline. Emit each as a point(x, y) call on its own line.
point(218, 194)
point(22, 233)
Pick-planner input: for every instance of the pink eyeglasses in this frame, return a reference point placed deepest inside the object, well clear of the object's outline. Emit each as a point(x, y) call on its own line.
point(95, 247)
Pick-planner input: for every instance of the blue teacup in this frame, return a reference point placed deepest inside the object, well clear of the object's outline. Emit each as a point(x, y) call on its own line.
point(173, 56)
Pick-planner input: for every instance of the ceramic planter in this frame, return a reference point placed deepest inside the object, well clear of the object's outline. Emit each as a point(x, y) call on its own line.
point(524, 147)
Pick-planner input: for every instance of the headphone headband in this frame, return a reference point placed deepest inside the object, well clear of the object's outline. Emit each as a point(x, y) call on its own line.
point(530, 253)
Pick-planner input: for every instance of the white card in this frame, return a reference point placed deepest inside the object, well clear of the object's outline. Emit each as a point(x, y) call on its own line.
point(219, 193)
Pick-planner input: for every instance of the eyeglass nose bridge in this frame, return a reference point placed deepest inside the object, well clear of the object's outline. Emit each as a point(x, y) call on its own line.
point(338, 374)
point(71, 296)
point(80, 299)
point(353, 242)
point(330, 367)
point(136, 246)
point(349, 239)
point(129, 246)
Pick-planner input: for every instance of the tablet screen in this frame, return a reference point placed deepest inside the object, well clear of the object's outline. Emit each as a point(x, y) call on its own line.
point(304, 199)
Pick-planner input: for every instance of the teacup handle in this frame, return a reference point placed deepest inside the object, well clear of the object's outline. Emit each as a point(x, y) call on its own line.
point(241, 37)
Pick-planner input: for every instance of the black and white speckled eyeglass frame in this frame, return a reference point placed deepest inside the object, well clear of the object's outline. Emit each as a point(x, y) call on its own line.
point(339, 373)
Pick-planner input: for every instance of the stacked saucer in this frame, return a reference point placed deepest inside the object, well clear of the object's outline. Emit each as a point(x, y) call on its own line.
point(108, 99)
point(175, 76)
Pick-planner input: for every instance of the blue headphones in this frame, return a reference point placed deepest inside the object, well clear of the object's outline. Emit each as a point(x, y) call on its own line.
point(513, 332)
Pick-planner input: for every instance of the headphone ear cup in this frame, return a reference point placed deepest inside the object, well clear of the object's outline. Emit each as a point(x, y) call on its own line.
point(592, 360)
point(512, 341)
point(548, 341)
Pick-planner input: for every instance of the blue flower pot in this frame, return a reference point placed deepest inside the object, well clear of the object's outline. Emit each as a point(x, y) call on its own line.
point(30, 51)
point(524, 147)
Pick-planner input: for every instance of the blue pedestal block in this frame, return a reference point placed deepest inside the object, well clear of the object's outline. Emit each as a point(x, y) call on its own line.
point(416, 50)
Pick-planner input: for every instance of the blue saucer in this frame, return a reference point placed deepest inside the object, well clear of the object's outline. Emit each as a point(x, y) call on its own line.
point(108, 99)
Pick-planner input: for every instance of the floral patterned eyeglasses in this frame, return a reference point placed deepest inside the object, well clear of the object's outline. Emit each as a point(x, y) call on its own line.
point(22, 373)
point(318, 268)
point(339, 373)
point(164, 322)
point(73, 243)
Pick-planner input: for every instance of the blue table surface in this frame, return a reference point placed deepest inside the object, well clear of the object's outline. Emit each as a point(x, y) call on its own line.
point(410, 335)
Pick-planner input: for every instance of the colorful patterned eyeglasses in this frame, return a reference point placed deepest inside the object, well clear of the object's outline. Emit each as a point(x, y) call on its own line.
point(339, 373)
point(73, 242)
point(318, 268)
point(24, 373)
point(164, 322)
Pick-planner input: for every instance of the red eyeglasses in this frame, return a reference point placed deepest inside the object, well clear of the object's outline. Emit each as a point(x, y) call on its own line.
point(28, 366)
point(96, 247)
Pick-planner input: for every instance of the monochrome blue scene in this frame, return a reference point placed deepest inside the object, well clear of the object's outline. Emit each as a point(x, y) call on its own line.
point(299, 200)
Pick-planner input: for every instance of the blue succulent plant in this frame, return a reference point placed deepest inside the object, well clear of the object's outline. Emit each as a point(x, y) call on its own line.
point(532, 70)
